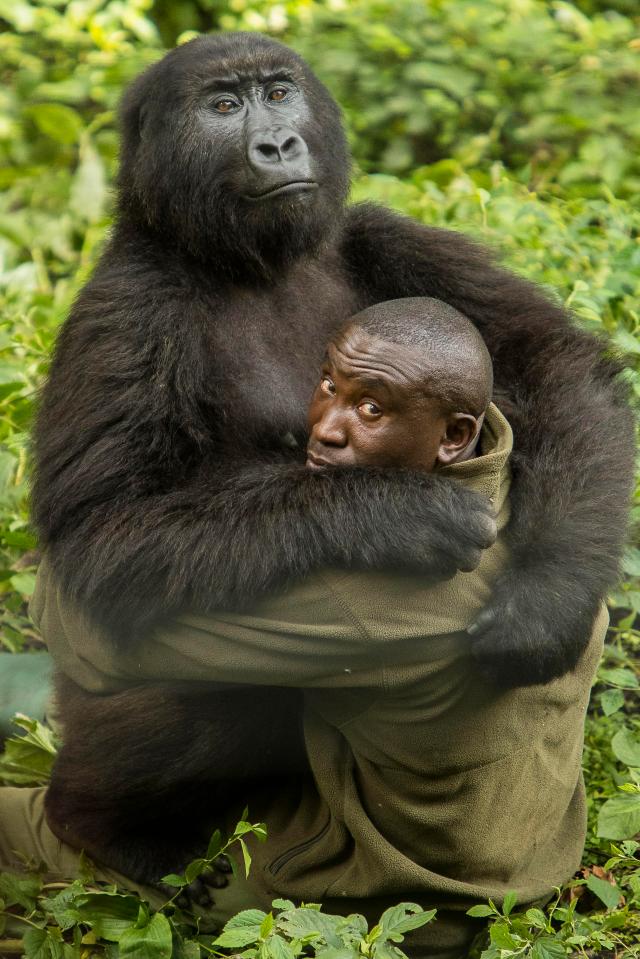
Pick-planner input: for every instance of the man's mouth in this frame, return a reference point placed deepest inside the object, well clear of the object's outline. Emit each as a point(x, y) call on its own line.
point(316, 462)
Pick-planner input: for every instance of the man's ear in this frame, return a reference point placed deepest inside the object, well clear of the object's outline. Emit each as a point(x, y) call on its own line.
point(459, 439)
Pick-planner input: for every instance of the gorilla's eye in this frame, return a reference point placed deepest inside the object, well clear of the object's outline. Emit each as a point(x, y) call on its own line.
point(225, 105)
point(277, 94)
point(327, 385)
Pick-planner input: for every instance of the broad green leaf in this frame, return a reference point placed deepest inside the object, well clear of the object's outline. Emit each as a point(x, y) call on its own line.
point(510, 901)
point(36, 944)
point(276, 948)
point(501, 937)
point(536, 917)
point(626, 747)
point(481, 911)
point(304, 921)
point(109, 915)
point(548, 948)
point(620, 677)
point(611, 701)
point(24, 583)
point(619, 818)
point(608, 894)
point(242, 929)
point(215, 845)
point(173, 879)
point(195, 869)
point(152, 941)
point(19, 890)
point(89, 186)
point(399, 919)
point(58, 121)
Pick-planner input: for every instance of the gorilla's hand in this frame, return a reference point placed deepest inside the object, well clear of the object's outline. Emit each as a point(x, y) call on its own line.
point(422, 523)
point(534, 628)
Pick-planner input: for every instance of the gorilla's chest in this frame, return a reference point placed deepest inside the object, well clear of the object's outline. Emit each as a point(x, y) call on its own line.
point(267, 347)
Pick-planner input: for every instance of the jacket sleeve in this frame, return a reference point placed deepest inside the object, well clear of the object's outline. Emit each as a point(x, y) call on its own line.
point(303, 637)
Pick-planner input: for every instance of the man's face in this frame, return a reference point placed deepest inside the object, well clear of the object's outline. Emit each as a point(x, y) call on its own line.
point(370, 409)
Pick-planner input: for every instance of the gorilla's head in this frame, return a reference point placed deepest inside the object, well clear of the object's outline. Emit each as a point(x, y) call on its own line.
point(233, 150)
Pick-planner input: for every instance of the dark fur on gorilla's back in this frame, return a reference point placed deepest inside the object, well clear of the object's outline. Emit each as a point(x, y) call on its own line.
point(165, 476)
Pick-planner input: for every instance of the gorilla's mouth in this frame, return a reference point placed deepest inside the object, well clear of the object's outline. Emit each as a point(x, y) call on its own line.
point(284, 189)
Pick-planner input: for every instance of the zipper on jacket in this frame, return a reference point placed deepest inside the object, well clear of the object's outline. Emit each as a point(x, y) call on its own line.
point(283, 859)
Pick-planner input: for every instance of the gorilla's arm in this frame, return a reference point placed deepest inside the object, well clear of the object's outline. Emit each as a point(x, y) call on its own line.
point(143, 516)
point(573, 456)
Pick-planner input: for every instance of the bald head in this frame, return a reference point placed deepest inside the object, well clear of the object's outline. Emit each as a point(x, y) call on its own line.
point(445, 344)
point(404, 384)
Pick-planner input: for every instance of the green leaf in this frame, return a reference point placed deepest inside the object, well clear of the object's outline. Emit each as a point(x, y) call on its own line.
point(510, 901)
point(276, 948)
point(619, 818)
point(89, 186)
point(624, 678)
point(611, 701)
point(626, 747)
point(402, 918)
point(215, 845)
point(19, 890)
point(246, 856)
point(536, 917)
point(58, 121)
point(109, 915)
point(242, 929)
point(36, 944)
point(266, 925)
point(501, 937)
point(173, 879)
point(481, 912)
point(548, 948)
point(607, 893)
point(304, 921)
point(24, 583)
point(152, 941)
point(195, 869)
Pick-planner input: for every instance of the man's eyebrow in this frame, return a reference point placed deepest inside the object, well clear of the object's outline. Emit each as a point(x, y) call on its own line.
point(373, 382)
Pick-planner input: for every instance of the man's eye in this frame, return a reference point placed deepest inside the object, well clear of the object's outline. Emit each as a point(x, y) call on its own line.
point(370, 410)
point(225, 105)
point(277, 94)
point(327, 386)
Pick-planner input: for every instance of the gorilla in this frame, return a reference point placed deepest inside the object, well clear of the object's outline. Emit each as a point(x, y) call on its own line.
point(170, 439)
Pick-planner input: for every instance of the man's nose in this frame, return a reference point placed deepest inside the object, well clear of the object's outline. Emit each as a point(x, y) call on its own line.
point(330, 429)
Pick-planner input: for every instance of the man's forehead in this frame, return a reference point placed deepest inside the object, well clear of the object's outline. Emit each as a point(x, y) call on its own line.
point(356, 353)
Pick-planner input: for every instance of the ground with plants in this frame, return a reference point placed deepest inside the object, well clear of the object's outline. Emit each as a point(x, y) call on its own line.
point(517, 122)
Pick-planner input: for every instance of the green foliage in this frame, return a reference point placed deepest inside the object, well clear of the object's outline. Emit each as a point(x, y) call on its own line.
point(82, 917)
point(516, 122)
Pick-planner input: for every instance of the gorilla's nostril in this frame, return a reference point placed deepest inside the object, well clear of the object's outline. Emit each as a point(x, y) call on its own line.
point(268, 150)
point(290, 145)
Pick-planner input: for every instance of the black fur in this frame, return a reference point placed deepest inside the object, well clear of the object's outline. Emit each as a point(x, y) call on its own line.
point(164, 477)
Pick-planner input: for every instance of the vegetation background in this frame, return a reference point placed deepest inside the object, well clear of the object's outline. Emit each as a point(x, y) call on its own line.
point(517, 121)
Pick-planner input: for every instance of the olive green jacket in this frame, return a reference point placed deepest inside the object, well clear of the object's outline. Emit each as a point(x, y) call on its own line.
point(430, 784)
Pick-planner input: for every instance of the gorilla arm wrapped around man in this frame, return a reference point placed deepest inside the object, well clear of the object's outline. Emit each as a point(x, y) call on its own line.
point(164, 473)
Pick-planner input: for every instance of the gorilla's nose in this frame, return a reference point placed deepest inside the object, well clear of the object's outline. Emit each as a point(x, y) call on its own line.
point(268, 149)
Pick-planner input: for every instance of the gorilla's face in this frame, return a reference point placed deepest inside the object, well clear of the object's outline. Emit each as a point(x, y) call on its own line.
point(235, 151)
